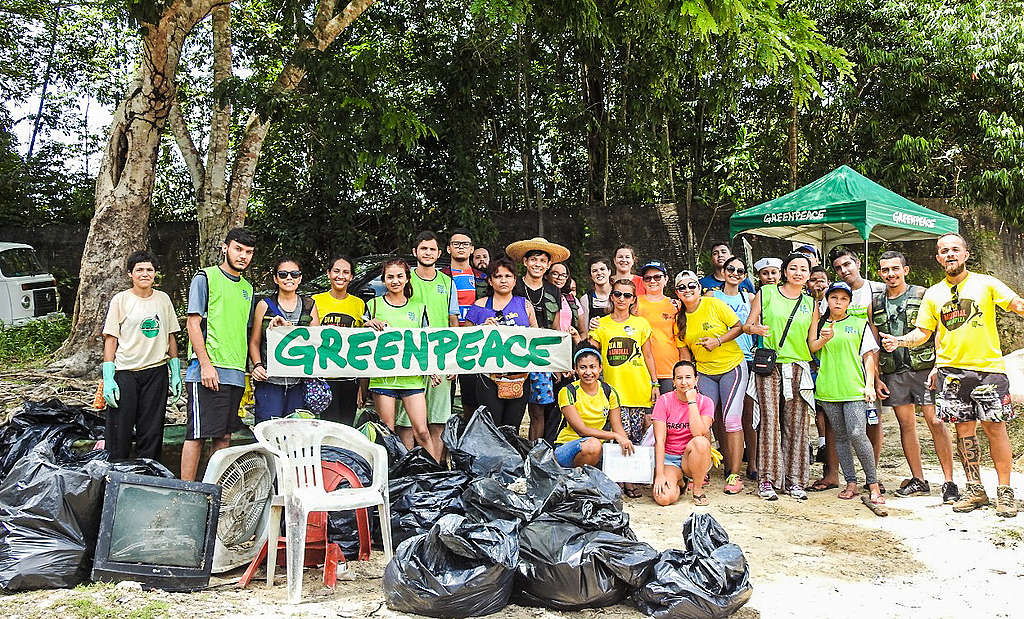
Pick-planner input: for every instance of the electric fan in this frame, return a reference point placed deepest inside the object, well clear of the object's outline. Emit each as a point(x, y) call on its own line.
point(246, 477)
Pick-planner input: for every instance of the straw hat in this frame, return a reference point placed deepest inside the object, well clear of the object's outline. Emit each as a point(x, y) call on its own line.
point(517, 250)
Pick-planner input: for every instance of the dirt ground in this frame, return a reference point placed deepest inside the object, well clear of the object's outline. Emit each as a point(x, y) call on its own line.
point(821, 558)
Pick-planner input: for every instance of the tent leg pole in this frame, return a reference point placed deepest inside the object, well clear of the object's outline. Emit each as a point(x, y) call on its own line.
point(865, 264)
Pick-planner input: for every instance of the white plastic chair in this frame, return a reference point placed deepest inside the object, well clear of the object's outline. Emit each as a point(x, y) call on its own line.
point(296, 444)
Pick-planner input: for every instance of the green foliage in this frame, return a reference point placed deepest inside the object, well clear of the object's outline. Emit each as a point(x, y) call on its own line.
point(33, 340)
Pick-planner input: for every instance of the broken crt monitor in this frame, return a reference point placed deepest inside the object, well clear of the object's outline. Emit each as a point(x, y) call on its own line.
point(158, 532)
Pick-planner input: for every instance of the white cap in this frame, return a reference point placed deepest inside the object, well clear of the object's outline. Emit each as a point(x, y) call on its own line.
point(685, 275)
point(764, 263)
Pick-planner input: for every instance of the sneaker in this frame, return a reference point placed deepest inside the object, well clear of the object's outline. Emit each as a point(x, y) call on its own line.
point(914, 486)
point(950, 493)
point(1005, 505)
point(767, 492)
point(797, 492)
point(974, 498)
point(733, 484)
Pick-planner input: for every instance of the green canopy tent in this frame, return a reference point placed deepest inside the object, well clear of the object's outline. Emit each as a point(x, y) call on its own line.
point(842, 207)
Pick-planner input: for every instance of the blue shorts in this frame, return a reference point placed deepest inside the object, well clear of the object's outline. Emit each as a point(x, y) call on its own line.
point(541, 388)
point(397, 394)
point(277, 400)
point(676, 461)
point(566, 453)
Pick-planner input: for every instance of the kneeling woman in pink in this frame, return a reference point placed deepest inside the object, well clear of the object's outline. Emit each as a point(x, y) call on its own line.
point(681, 419)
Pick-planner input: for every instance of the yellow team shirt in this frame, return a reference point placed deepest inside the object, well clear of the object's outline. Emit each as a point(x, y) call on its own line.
point(624, 366)
point(662, 317)
point(347, 312)
point(593, 409)
point(965, 322)
point(712, 319)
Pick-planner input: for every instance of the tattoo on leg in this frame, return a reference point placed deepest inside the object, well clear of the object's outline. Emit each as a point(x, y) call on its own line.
point(970, 456)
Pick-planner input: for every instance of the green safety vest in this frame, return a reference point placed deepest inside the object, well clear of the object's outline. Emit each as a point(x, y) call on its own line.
point(919, 358)
point(435, 295)
point(841, 374)
point(227, 319)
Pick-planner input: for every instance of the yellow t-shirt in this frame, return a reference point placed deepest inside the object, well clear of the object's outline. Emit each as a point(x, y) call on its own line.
point(712, 319)
point(966, 335)
point(593, 409)
point(662, 317)
point(347, 312)
point(624, 367)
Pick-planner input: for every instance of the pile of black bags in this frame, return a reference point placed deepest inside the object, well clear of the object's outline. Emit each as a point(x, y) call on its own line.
point(508, 523)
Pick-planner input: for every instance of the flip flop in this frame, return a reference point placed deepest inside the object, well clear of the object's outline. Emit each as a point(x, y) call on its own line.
point(700, 500)
point(820, 486)
point(854, 494)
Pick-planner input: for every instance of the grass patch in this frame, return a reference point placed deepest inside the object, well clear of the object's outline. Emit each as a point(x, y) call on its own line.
point(32, 341)
point(101, 601)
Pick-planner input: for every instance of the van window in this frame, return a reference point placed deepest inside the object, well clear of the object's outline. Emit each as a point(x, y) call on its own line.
point(19, 262)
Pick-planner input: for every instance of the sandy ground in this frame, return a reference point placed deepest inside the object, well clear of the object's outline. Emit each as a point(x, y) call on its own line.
point(821, 558)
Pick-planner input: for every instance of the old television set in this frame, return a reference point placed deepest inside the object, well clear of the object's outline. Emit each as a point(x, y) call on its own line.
point(156, 531)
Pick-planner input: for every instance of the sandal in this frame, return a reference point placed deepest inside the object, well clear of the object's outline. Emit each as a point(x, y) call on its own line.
point(881, 487)
point(820, 486)
point(877, 499)
point(846, 495)
point(700, 499)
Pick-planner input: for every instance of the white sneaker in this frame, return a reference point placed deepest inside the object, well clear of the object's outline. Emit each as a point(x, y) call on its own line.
point(767, 492)
point(797, 492)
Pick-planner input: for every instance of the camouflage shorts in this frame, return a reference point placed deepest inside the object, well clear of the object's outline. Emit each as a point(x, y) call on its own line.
point(971, 395)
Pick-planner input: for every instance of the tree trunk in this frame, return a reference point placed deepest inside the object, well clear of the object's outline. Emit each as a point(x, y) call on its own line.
point(791, 147)
point(125, 183)
point(214, 225)
point(594, 104)
point(46, 84)
point(213, 213)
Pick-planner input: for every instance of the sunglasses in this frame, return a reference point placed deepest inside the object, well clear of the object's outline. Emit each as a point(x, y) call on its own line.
point(618, 294)
point(652, 278)
point(287, 274)
point(690, 286)
point(737, 270)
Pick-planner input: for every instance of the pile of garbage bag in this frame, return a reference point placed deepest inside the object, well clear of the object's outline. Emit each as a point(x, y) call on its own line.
point(52, 422)
point(509, 523)
point(50, 517)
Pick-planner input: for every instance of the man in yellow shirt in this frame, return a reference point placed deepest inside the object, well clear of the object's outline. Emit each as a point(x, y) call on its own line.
point(971, 383)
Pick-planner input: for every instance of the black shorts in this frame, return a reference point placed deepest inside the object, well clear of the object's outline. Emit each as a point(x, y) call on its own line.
point(970, 395)
point(212, 414)
point(908, 387)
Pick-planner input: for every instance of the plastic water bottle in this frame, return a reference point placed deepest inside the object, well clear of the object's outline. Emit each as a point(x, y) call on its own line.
point(872, 413)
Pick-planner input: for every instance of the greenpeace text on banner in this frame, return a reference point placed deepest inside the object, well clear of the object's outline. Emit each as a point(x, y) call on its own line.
point(336, 352)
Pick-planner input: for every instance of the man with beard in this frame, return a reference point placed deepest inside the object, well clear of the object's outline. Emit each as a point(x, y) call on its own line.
point(219, 307)
point(435, 290)
point(470, 284)
point(903, 379)
point(970, 377)
point(481, 258)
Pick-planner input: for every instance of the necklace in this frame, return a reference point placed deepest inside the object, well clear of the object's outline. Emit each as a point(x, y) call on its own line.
point(529, 295)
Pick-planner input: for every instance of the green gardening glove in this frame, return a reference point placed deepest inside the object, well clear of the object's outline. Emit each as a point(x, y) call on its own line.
point(175, 365)
point(110, 390)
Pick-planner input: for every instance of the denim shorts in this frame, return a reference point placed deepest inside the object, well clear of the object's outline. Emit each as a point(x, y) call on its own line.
point(676, 461)
point(397, 394)
point(566, 453)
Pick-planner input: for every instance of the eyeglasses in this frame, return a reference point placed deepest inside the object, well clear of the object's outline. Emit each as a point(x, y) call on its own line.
point(618, 294)
point(287, 274)
point(653, 278)
point(461, 244)
point(736, 270)
point(690, 286)
point(558, 275)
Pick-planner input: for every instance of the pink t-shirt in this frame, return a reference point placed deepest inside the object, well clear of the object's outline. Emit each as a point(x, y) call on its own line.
point(676, 416)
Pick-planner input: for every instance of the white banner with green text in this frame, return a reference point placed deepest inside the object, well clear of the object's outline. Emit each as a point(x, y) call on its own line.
point(341, 352)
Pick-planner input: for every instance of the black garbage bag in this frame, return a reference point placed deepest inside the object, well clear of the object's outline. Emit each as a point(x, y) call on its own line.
point(457, 569)
point(503, 496)
point(586, 497)
point(385, 437)
point(480, 448)
point(138, 466)
point(342, 528)
point(49, 519)
point(419, 501)
point(565, 567)
point(52, 422)
point(710, 580)
point(415, 462)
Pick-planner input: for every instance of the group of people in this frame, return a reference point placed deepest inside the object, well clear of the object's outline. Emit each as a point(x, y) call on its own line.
point(712, 359)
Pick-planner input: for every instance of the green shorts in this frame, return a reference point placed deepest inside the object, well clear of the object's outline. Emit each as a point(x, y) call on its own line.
point(439, 405)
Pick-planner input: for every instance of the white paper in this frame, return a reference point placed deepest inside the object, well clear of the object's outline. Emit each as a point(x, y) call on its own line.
point(635, 469)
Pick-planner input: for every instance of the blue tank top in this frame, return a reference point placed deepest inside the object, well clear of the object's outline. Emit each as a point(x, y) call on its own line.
point(512, 315)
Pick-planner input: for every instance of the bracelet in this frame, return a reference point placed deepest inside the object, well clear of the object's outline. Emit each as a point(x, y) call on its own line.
point(260, 365)
point(655, 383)
point(690, 402)
point(719, 340)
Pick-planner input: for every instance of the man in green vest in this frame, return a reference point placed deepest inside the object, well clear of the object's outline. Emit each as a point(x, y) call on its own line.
point(902, 382)
point(219, 306)
point(436, 291)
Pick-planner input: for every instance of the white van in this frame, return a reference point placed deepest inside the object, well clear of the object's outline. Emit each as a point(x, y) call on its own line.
point(27, 290)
